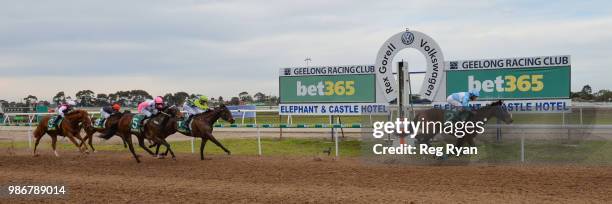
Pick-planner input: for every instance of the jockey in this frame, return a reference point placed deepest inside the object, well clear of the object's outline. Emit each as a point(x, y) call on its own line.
point(107, 111)
point(195, 106)
point(461, 100)
point(63, 109)
point(150, 108)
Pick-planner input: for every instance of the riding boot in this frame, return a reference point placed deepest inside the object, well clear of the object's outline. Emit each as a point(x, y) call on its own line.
point(143, 120)
point(188, 120)
point(141, 128)
point(101, 122)
point(56, 120)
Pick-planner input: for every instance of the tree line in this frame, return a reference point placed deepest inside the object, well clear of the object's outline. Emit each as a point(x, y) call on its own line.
point(131, 98)
point(587, 95)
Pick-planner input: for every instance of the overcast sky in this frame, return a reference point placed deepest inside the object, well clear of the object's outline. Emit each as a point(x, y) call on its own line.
point(224, 47)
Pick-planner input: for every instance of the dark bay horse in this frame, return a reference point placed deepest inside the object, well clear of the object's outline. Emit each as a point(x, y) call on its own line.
point(202, 126)
point(161, 126)
point(70, 127)
point(124, 129)
point(483, 114)
point(110, 126)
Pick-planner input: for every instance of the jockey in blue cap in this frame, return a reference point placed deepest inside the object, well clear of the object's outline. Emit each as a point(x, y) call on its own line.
point(461, 101)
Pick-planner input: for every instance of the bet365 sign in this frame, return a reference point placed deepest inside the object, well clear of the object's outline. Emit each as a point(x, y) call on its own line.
point(342, 84)
point(513, 78)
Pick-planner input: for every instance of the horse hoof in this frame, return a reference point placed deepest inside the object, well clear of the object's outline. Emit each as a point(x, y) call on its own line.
point(174, 158)
point(161, 157)
point(36, 155)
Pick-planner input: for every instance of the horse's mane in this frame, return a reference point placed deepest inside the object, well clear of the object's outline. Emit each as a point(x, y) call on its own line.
point(80, 113)
point(120, 113)
point(214, 111)
point(492, 105)
point(217, 109)
point(173, 107)
point(497, 103)
point(76, 111)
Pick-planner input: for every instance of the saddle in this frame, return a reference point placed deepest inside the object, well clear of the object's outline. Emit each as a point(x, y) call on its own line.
point(53, 126)
point(100, 123)
point(456, 115)
point(136, 121)
point(183, 127)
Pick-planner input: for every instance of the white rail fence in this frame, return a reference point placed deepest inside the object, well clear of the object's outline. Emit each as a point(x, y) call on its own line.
point(32, 116)
point(523, 127)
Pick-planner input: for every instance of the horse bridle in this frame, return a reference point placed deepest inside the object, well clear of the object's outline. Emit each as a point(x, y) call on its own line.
point(220, 113)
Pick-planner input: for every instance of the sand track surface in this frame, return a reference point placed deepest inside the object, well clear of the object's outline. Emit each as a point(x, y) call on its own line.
point(104, 177)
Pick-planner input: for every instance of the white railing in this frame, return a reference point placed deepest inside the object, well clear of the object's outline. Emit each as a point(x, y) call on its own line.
point(32, 116)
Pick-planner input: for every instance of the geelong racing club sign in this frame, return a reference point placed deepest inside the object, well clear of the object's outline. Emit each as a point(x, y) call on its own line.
point(424, 44)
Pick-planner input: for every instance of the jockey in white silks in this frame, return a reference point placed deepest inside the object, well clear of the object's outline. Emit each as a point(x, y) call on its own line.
point(63, 109)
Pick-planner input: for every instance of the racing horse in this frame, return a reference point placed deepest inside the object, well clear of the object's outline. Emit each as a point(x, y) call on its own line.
point(110, 126)
point(161, 126)
point(69, 127)
point(483, 114)
point(202, 126)
point(124, 129)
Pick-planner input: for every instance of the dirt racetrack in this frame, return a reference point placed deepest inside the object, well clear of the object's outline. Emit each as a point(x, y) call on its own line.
point(105, 177)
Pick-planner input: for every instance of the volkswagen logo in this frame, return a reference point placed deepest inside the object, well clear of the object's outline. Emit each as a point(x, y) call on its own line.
point(407, 38)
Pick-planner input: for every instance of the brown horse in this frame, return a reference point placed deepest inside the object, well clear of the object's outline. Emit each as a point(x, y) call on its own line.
point(202, 127)
point(124, 130)
point(70, 127)
point(111, 123)
point(161, 126)
point(495, 109)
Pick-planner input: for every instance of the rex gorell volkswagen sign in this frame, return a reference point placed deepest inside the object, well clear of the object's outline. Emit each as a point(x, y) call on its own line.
point(434, 76)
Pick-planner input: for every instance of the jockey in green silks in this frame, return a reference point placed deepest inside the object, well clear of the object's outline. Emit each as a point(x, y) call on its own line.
point(195, 106)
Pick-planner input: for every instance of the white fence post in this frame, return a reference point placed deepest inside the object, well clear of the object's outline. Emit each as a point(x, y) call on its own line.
point(258, 141)
point(581, 116)
point(193, 145)
point(243, 113)
point(563, 118)
point(336, 141)
point(522, 146)
point(30, 119)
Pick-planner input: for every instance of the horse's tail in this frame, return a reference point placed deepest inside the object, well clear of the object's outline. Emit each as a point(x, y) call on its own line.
point(110, 132)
